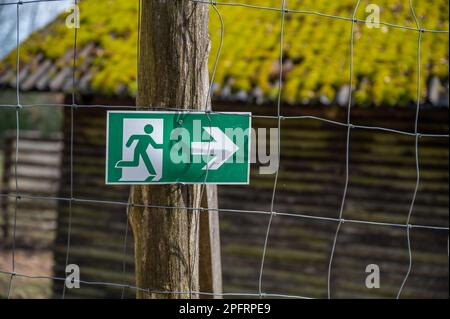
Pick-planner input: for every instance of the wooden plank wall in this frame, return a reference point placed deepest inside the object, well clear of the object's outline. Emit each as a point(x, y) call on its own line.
point(382, 179)
point(97, 232)
point(312, 176)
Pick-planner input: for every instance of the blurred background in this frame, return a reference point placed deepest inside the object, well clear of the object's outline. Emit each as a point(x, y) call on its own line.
point(312, 169)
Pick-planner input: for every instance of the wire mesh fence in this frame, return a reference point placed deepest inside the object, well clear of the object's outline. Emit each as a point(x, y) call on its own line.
point(283, 11)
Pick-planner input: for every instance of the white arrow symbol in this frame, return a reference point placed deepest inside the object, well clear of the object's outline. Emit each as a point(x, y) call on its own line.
point(222, 148)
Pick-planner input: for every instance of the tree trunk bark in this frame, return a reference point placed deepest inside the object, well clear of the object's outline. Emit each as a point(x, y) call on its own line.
point(173, 73)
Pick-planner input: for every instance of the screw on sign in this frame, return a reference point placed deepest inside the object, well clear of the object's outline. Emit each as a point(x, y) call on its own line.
point(178, 147)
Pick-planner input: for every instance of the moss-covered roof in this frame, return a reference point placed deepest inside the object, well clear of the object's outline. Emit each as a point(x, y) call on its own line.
point(316, 52)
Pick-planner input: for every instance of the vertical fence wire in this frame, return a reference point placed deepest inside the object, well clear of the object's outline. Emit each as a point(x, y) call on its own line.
point(416, 151)
point(204, 187)
point(72, 110)
point(347, 150)
point(129, 206)
point(16, 156)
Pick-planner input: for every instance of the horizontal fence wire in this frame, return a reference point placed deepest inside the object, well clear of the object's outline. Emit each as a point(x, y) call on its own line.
point(150, 291)
point(17, 196)
point(255, 116)
point(250, 6)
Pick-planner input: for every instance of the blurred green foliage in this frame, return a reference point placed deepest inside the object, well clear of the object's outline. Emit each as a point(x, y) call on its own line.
point(385, 58)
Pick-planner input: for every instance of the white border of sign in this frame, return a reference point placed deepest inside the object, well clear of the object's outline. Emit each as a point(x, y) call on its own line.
point(181, 183)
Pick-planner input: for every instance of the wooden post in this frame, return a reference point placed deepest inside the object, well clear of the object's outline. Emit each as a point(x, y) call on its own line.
point(173, 72)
